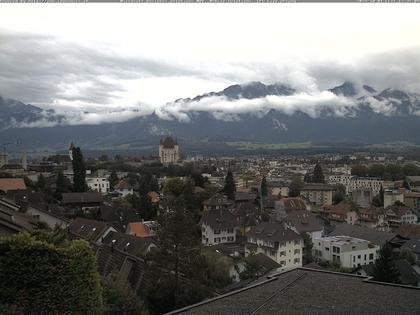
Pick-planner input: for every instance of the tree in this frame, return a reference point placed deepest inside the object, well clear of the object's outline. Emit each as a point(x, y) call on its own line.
point(113, 179)
point(41, 182)
point(264, 190)
point(173, 186)
point(177, 269)
point(308, 245)
point(318, 176)
point(340, 193)
point(359, 170)
point(230, 186)
point(79, 171)
point(407, 254)
point(61, 186)
point(44, 274)
point(253, 268)
point(119, 297)
point(295, 187)
point(384, 269)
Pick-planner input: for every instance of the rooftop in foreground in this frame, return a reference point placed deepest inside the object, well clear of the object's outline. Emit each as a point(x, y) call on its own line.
point(310, 291)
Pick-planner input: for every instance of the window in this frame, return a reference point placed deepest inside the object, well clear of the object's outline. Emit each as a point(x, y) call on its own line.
point(297, 242)
point(297, 251)
point(283, 253)
point(230, 230)
point(217, 239)
point(327, 249)
point(358, 257)
point(216, 231)
point(371, 256)
point(297, 260)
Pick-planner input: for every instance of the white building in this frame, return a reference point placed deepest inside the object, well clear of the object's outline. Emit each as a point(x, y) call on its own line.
point(218, 226)
point(282, 245)
point(318, 194)
point(99, 184)
point(168, 150)
point(123, 188)
point(353, 183)
point(349, 252)
point(391, 196)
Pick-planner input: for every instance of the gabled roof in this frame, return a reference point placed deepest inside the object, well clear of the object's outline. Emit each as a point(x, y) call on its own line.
point(364, 233)
point(217, 200)
point(13, 220)
point(408, 230)
point(140, 229)
point(304, 221)
point(318, 187)
point(219, 219)
point(131, 244)
point(274, 232)
point(12, 184)
point(122, 185)
point(397, 210)
point(90, 230)
point(293, 204)
point(118, 217)
point(83, 197)
point(244, 196)
point(341, 208)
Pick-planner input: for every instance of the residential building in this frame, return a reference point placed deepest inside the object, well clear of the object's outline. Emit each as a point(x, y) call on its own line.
point(123, 188)
point(391, 196)
point(362, 197)
point(373, 218)
point(342, 212)
point(414, 182)
point(83, 201)
point(139, 229)
point(99, 184)
point(303, 221)
point(217, 201)
point(281, 244)
point(397, 215)
point(348, 251)
point(284, 206)
point(218, 226)
point(318, 194)
point(412, 200)
point(89, 230)
point(374, 236)
point(168, 150)
point(353, 183)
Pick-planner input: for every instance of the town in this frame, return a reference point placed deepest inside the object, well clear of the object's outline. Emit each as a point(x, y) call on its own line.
point(199, 235)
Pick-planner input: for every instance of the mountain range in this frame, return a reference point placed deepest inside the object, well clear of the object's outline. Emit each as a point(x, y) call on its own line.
point(363, 116)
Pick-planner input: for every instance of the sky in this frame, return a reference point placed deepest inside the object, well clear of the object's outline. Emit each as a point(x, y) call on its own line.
point(134, 58)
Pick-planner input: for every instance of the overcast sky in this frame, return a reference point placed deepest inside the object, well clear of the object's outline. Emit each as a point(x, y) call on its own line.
point(117, 56)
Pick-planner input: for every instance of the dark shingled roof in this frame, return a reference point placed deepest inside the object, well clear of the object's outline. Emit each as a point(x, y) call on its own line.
point(310, 291)
point(409, 230)
point(318, 186)
point(131, 244)
point(364, 233)
point(84, 197)
point(272, 232)
point(90, 230)
point(304, 221)
point(219, 219)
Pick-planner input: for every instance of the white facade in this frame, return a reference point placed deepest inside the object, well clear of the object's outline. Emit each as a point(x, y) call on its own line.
point(391, 196)
point(212, 237)
point(349, 252)
point(288, 254)
point(99, 184)
point(353, 183)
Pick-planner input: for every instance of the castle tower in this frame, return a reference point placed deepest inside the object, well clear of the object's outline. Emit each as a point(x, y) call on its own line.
point(168, 150)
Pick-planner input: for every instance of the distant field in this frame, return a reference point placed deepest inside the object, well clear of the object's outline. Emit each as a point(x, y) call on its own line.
point(243, 145)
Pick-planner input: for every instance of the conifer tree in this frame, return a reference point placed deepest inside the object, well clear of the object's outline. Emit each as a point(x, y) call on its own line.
point(230, 186)
point(318, 176)
point(61, 185)
point(79, 170)
point(384, 269)
point(264, 190)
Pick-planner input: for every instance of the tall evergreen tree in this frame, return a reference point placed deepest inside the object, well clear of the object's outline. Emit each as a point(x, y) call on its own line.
point(318, 176)
point(295, 187)
point(230, 186)
point(264, 190)
point(61, 185)
point(79, 171)
point(41, 182)
point(113, 179)
point(384, 269)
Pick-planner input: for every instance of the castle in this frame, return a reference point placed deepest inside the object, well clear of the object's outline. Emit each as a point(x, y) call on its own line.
point(168, 150)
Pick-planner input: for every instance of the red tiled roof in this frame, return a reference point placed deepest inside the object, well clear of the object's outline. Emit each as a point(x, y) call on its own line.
point(122, 184)
point(139, 229)
point(12, 184)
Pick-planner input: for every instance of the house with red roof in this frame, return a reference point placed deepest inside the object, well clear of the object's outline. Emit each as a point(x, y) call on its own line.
point(123, 188)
